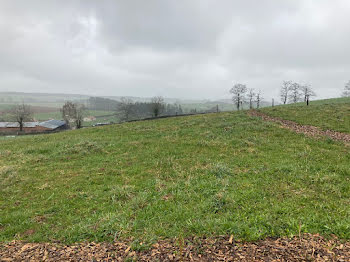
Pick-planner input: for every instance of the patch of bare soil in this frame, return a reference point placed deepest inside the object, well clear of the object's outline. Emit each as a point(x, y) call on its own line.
point(305, 248)
point(311, 131)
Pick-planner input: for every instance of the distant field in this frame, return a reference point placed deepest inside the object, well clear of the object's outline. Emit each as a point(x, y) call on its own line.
point(206, 106)
point(203, 175)
point(5, 106)
point(38, 98)
point(42, 113)
point(57, 114)
point(110, 117)
point(326, 114)
point(200, 107)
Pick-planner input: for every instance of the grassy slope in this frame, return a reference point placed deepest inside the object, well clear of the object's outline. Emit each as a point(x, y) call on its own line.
point(327, 114)
point(200, 175)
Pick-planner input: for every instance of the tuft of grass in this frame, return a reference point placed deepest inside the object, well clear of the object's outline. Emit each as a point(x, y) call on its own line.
point(211, 174)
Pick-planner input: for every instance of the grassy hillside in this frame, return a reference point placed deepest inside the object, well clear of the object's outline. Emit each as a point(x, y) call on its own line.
point(326, 114)
point(213, 174)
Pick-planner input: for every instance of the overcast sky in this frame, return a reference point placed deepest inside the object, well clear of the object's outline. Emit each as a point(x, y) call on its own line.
point(183, 49)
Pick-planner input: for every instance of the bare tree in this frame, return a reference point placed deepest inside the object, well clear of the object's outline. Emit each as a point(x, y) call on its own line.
point(307, 93)
point(238, 92)
point(68, 112)
point(157, 105)
point(251, 94)
point(21, 113)
point(125, 108)
point(80, 112)
point(346, 92)
point(258, 99)
point(284, 91)
point(294, 93)
point(73, 113)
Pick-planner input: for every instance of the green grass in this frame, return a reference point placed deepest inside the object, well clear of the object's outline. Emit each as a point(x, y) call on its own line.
point(327, 114)
point(201, 107)
point(202, 175)
point(5, 107)
point(58, 114)
point(109, 119)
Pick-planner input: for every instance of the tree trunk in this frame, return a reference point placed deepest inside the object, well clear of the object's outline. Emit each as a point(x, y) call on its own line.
point(20, 124)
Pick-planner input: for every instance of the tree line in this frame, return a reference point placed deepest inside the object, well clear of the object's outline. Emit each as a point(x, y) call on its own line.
point(241, 95)
point(127, 109)
point(73, 113)
point(290, 92)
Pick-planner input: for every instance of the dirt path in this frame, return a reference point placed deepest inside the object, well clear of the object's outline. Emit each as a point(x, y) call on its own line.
point(306, 248)
point(311, 131)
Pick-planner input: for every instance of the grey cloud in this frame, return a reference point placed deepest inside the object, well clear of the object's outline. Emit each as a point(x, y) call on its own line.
point(188, 49)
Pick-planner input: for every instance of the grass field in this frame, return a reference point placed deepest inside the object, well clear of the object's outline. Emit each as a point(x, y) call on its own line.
point(326, 114)
point(97, 113)
point(203, 175)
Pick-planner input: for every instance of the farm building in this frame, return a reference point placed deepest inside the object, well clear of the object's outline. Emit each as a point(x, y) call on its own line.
point(89, 118)
point(32, 127)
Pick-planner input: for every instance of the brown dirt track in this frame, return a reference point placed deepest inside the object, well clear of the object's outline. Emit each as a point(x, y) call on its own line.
point(305, 248)
point(310, 131)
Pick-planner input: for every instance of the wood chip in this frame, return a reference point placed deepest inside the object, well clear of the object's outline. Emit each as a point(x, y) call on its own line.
point(231, 239)
point(307, 247)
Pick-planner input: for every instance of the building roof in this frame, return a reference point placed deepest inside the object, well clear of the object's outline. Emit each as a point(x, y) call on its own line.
point(3, 124)
point(30, 124)
point(16, 124)
point(52, 124)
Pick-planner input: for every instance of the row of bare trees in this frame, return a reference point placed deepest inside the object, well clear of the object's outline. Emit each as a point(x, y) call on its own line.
point(73, 113)
point(127, 109)
point(295, 92)
point(290, 91)
point(241, 94)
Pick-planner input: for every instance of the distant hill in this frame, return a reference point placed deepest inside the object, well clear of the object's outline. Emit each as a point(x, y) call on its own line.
point(46, 98)
point(57, 99)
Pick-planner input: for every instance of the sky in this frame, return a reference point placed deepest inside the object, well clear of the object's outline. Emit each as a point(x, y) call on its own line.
point(181, 49)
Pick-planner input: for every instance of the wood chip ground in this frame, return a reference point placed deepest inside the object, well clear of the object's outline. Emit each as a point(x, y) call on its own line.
point(305, 248)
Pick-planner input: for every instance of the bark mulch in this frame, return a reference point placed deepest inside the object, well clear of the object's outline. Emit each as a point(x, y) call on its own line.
point(305, 248)
point(311, 131)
